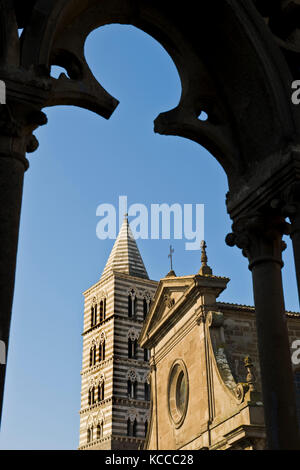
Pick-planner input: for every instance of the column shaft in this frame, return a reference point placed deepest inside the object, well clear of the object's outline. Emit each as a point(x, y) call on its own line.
point(275, 357)
point(11, 186)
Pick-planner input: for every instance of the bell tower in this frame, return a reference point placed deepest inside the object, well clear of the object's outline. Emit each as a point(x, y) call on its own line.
point(115, 392)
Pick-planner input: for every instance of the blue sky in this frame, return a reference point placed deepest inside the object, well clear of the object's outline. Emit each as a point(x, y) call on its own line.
point(83, 161)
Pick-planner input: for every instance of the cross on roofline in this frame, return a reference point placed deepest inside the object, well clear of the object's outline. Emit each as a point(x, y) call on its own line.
point(170, 255)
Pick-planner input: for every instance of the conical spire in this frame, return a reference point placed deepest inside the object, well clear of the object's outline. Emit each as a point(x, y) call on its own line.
point(125, 256)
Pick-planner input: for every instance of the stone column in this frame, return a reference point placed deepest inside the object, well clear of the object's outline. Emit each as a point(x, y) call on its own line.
point(260, 238)
point(15, 140)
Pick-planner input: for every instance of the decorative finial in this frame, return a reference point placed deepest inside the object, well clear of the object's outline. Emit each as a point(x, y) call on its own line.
point(205, 270)
point(126, 216)
point(170, 255)
point(203, 253)
point(171, 273)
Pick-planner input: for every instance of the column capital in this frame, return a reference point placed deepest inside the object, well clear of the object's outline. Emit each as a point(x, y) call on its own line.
point(260, 237)
point(17, 123)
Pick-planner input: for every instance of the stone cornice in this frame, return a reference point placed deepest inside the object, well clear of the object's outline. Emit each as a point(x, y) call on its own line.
point(141, 280)
point(94, 443)
point(131, 362)
point(98, 404)
point(99, 365)
point(112, 437)
point(130, 402)
point(98, 326)
point(249, 308)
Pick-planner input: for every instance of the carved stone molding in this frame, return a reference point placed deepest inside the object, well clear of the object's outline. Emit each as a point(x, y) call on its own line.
point(259, 237)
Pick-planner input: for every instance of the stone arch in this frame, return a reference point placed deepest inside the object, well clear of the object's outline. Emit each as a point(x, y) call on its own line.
point(93, 342)
point(100, 417)
point(132, 291)
point(60, 31)
point(101, 337)
point(90, 421)
point(132, 414)
point(146, 377)
point(100, 378)
point(227, 60)
point(132, 375)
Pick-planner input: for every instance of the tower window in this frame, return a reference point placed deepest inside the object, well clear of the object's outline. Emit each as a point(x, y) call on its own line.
point(129, 306)
point(100, 430)
point(128, 427)
point(91, 397)
point(132, 304)
point(146, 391)
point(131, 427)
point(102, 351)
point(101, 311)
point(134, 428)
point(101, 391)
point(146, 428)
point(132, 348)
point(94, 315)
point(93, 355)
point(132, 389)
point(145, 308)
point(146, 355)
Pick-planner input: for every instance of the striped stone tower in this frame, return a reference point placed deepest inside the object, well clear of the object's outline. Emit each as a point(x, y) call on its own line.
point(114, 392)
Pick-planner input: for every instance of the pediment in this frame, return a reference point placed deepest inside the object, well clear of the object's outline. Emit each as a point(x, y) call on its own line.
point(169, 294)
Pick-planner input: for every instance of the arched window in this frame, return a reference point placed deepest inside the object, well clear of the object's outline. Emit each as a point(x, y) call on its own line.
point(102, 351)
point(92, 321)
point(146, 428)
point(104, 309)
point(101, 391)
point(134, 428)
point(132, 304)
point(129, 388)
point(146, 391)
point(100, 430)
point(101, 311)
point(145, 308)
point(129, 428)
point(93, 355)
point(95, 314)
point(135, 306)
point(129, 306)
point(91, 397)
point(297, 385)
point(132, 389)
point(146, 355)
point(132, 348)
point(89, 435)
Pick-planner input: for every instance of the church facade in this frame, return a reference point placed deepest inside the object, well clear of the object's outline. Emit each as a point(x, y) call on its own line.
point(205, 378)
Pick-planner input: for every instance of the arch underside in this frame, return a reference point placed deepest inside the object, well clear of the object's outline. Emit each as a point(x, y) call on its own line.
point(224, 55)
